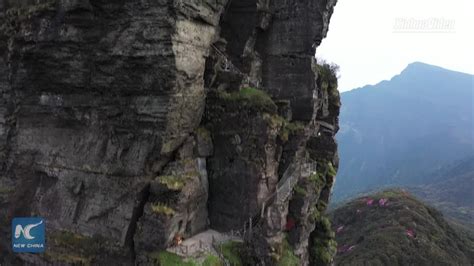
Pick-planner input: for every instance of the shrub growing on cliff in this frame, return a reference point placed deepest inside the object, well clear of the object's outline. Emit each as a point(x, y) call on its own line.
point(331, 170)
point(288, 257)
point(300, 191)
point(318, 180)
point(286, 127)
point(328, 72)
point(323, 246)
point(252, 98)
point(290, 128)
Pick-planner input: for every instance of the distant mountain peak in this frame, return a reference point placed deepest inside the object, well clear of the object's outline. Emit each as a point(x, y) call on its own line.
point(420, 67)
point(406, 127)
point(418, 64)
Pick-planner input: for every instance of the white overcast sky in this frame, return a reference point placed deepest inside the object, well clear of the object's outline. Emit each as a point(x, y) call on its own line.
point(362, 38)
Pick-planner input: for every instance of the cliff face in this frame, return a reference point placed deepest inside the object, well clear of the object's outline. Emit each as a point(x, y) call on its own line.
point(127, 123)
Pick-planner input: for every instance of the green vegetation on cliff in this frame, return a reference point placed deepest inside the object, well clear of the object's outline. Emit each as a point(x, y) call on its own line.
point(327, 74)
point(323, 246)
point(251, 97)
point(73, 248)
point(290, 128)
point(165, 258)
point(231, 252)
point(287, 257)
point(163, 209)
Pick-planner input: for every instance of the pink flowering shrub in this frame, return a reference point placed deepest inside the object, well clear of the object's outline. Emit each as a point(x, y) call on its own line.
point(383, 202)
point(369, 201)
point(410, 233)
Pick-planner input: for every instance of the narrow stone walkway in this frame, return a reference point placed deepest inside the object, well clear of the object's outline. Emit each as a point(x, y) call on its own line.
point(206, 242)
point(202, 242)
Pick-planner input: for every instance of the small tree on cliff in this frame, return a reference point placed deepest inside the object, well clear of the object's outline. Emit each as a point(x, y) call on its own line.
point(328, 70)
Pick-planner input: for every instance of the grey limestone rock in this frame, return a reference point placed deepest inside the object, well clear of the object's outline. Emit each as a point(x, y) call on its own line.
point(126, 121)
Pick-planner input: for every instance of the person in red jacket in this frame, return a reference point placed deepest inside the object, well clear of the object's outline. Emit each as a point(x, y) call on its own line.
point(290, 223)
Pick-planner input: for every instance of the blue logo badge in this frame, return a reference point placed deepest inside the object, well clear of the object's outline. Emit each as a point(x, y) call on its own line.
point(28, 235)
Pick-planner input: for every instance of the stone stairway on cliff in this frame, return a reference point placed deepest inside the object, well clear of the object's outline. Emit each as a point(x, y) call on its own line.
point(210, 240)
point(278, 199)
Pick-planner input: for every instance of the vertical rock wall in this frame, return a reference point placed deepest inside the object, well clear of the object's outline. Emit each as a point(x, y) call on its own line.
point(101, 130)
point(272, 43)
point(100, 95)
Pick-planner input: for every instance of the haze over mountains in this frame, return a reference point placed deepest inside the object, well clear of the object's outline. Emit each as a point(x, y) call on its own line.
point(451, 190)
point(399, 132)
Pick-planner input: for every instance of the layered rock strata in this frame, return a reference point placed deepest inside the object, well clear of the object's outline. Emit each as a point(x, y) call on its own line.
point(128, 123)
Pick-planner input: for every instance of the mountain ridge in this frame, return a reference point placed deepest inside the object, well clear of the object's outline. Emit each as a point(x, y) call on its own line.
point(398, 131)
point(394, 228)
point(409, 68)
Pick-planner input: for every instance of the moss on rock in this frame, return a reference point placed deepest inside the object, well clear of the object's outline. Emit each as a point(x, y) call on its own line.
point(73, 248)
point(204, 133)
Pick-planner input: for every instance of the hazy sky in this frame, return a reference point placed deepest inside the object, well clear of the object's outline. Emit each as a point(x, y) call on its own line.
point(373, 40)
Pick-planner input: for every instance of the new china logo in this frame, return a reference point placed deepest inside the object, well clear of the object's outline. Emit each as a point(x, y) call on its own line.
point(28, 235)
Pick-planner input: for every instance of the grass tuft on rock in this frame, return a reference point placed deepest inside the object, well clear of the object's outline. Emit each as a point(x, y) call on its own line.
point(251, 97)
point(73, 248)
point(163, 209)
point(286, 127)
point(211, 260)
point(331, 170)
point(165, 258)
point(318, 180)
point(178, 181)
point(288, 257)
point(172, 182)
point(300, 190)
point(290, 128)
point(231, 251)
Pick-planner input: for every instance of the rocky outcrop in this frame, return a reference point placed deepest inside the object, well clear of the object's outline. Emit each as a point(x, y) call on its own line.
point(135, 122)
